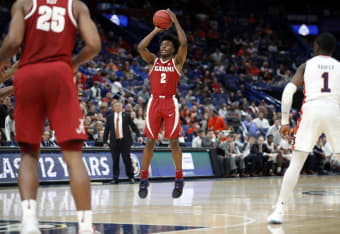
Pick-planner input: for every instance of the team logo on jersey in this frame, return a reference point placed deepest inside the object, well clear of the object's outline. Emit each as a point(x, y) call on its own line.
point(164, 69)
point(135, 164)
point(81, 128)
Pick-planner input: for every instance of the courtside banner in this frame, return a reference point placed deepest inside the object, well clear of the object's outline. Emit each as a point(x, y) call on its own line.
point(98, 162)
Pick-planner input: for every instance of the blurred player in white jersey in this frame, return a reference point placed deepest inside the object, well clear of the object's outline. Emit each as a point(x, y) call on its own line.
point(320, 112)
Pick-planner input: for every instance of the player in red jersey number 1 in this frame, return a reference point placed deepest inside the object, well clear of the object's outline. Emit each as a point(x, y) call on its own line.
point(162, 107)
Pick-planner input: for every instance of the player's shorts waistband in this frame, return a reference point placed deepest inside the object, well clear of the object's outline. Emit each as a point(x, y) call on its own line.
point(162, 96)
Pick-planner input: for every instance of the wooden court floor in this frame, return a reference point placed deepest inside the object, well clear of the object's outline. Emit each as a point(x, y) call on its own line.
point(206, 206)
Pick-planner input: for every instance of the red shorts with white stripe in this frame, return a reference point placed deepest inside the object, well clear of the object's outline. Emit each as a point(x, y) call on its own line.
point(47, 90)
point(162, 110)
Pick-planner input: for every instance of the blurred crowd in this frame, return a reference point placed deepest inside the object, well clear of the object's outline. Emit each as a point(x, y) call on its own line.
point(213, 114)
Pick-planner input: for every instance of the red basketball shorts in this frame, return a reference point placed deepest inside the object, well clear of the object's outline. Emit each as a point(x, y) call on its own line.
point(162, 110)
point(47, 90)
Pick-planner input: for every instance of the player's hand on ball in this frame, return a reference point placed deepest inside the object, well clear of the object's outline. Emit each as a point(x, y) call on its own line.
point(158, 30)
point(284, 131)
point(172, 15)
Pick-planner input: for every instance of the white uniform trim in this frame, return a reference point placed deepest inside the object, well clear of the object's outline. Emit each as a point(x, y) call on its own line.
point(154, 63)
point(163, 61)
point(70, 13)
point(173, 62)
point(147, 116)
point(176, 115)
point(34, 8)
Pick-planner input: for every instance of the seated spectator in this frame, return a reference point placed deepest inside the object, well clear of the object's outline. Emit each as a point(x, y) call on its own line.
point(274, 130)
point(223, 111)
point(99, 139)
point(262, 123)
point(315, 161)
point(209, 140)
point(286, 152)
point(254, 110)
point(140, 120)
point(95, 92)
point(232, 153)
point(215, 85)
point(251, 127)
point(216, 122)
point(217, 55)
point(46, 140)
point(197, 141)
point(128, 73)
point(80, 81)
point(144, 93)
point(193, 131)
point(92, 111)
point(260, 158)
point(97, 76)
point(234, 117)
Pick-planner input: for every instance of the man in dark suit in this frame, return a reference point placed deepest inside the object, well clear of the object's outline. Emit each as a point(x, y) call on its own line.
point(118, 127)
point(260, 157)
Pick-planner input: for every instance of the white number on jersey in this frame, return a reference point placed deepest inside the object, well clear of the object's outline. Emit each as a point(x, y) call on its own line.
point(163, 78)
point(51, 19)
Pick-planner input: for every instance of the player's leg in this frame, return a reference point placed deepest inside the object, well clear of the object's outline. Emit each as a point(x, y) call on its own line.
point(172, 130)
point(28, 181)
point(67, 119)
point(308, 131)
point(29, 117)
point(79, 181)
point(332, 131)
point(153, 124)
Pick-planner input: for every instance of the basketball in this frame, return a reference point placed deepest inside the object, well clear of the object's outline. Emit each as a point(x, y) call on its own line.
point(161, 19)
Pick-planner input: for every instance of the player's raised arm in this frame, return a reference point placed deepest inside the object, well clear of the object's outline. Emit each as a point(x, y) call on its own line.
point(183, 47)
point(88, 32)
point(15, 34)
point(147, 56)
point(287, 98)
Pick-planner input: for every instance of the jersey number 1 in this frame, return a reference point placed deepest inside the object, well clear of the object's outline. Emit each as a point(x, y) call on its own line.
point(325, 88)
point(51, 19)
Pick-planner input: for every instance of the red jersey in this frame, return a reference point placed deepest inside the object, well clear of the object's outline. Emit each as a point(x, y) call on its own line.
point(50, 32)
point(164, 78)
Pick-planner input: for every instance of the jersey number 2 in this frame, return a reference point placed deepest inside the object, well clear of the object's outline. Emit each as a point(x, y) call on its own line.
point(325, 88)
point(163, 78)
point(51, 19)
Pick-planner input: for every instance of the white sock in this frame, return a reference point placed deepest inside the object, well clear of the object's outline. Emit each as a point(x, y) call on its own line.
point(29, 208)
point(291, 176)
point(85, 219)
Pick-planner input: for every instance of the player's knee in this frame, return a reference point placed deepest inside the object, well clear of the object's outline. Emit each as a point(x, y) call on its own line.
point(73, 145)
point(174, 143)
point(150, 143)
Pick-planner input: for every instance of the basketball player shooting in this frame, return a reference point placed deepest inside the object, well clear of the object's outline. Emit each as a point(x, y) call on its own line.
point(163, 106)
point(44, 88)
point(320, 113)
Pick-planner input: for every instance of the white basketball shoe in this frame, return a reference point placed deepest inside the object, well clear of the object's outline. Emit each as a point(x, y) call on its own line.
point(277, 216)
point(30, 225)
